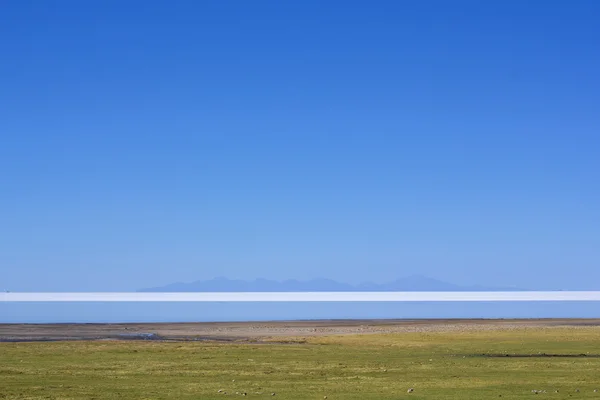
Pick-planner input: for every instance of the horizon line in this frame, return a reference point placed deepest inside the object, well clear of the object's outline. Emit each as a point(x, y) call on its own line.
point(416, 296)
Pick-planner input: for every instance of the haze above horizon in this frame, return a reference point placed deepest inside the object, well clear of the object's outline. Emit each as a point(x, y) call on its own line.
point(145, 143)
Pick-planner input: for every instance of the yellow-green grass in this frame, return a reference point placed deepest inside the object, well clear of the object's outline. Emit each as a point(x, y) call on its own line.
point(443, 365)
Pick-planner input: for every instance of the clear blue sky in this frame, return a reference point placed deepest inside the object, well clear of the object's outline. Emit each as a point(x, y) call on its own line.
point(149, 142)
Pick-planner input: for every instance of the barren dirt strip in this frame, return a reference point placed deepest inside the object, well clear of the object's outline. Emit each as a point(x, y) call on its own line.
point(255, 331)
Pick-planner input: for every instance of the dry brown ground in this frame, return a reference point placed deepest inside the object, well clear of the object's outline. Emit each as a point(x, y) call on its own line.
point(258, 330)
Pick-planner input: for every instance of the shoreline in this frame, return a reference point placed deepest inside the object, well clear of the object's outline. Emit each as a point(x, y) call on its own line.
point(256, 331)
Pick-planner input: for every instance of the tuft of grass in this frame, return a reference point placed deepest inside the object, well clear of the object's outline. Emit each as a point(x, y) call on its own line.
point(438, 365)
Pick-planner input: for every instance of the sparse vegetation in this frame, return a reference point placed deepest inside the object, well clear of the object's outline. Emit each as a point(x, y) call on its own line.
point(438, 365)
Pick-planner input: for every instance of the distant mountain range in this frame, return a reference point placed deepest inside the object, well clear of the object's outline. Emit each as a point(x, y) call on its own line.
point(412, 283)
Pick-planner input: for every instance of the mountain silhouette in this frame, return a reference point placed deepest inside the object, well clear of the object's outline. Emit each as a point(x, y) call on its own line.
point(412, 283)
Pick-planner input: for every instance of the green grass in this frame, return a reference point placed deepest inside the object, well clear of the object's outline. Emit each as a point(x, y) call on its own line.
point(437, 365)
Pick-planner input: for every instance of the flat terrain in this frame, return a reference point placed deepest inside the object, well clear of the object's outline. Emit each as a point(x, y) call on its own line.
point(439, 359)
point(253, 331)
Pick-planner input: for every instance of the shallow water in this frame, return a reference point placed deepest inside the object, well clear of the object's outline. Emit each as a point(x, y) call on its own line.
point(202, 312)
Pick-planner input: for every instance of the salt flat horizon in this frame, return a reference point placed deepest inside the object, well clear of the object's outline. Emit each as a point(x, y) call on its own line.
point(417, 296)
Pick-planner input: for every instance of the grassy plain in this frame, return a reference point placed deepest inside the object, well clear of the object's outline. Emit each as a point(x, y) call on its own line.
point(438, 365)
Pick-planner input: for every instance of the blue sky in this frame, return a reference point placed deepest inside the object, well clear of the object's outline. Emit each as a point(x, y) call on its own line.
point(144, 143)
